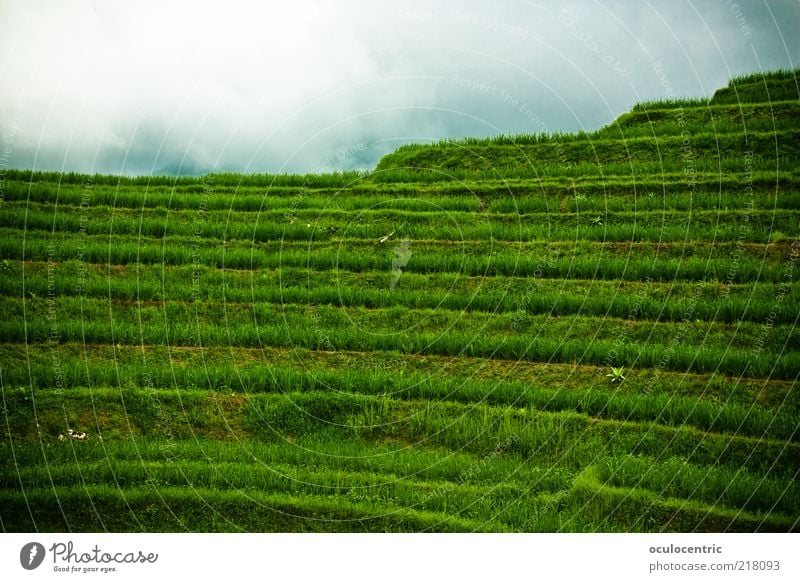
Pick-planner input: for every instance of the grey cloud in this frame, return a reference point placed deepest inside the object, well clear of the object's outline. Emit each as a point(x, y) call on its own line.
point(319, 85)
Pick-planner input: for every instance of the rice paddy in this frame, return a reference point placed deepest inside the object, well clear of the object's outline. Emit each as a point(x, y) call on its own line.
point(542, 333)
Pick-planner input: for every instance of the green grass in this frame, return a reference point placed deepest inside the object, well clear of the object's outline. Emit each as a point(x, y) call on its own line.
point(755, 88)
point(744, 412)
point(372, 224)
point(691, 346)
point(775, 147)
point(717, 301)
point(245, 353)
point(629, 261)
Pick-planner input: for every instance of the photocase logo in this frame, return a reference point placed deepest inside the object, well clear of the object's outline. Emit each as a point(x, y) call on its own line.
point(31, 555)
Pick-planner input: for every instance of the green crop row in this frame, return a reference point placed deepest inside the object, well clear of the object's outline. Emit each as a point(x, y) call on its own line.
point(644, 510)
point(641, 300)
point(737, 415)
point(715, 118)
point(184, 322)
point(743, 226)
point(674, 477)
point(561, 439)
point(332, 466)
point(208, 181)
point(248, 370)
point(779, 146)
point(674, 118)
point(663, 191)
point(703, 347)
point(180, 509)
point(758, 91)
point(628, 261)
point(227, 368)
point(735, 489)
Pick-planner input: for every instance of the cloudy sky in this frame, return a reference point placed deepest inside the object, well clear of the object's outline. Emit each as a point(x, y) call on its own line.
point(316, 85)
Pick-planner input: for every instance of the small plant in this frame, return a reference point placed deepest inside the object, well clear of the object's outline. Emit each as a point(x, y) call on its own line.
point(7, 266)
point(597, 221)
point(776, 236)
point(616, 374)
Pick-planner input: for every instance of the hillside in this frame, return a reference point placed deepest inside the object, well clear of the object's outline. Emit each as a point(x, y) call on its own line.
point(758, 115)
point(591, 332)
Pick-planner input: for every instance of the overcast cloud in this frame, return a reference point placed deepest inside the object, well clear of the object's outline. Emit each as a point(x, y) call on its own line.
point(314, 85)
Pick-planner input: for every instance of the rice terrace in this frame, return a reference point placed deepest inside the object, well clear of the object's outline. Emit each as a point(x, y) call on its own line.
point(590, 332)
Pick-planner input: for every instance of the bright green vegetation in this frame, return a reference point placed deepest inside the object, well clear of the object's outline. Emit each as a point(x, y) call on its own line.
point(752, 124)
point(589, 332)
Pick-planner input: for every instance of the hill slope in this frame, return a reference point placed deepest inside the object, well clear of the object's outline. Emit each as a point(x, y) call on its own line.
point(578, 333)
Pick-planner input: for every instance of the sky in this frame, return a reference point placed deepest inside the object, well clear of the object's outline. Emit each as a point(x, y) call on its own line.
point(168, 87)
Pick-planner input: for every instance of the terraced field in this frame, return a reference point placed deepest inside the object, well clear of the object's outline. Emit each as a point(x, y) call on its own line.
point(593, 332)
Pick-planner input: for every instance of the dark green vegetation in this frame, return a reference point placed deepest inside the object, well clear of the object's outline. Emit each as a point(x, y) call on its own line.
point(427, 347)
